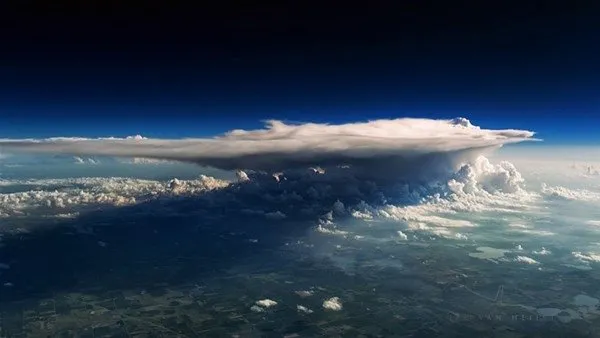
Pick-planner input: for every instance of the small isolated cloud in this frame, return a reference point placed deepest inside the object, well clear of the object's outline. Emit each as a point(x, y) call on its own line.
point(303, 309)
point(542, 252)
point(406, 147)
point(266, 303)
point(304, 293)
point(275, 215)
point(526, 260)
point(333, 304)
point(402, 235)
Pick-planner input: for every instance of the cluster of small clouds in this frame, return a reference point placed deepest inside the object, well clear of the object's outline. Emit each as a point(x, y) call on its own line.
point(543, 252)
point(80, 160)
point(564, 193)
point(331, 304)
point(586, 257)
point(61, 197)
point(479, 186)
point(134, 160)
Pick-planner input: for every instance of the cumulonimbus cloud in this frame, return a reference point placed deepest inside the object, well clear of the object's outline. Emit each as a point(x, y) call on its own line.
point(400, 147)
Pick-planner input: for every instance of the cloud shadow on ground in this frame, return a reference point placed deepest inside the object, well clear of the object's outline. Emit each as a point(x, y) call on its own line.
point(166, 241)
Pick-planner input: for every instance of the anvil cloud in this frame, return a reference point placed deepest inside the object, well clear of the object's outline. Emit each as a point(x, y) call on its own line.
point(403, 147)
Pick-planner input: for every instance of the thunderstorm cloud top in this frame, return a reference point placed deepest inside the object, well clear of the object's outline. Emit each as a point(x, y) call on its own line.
point(372, 145)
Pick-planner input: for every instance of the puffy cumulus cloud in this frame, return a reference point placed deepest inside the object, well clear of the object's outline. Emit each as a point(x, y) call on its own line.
point(443, 208)
point(526, 260)
point(399, 148)
point(333, 304)
point(481, 175)
point(266, 303)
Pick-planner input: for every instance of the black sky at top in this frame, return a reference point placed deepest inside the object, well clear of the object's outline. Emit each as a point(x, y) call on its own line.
point(310, 52)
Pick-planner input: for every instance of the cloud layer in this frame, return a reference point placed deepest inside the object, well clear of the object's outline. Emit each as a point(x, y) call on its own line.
point(404, 148)
point(67, 197)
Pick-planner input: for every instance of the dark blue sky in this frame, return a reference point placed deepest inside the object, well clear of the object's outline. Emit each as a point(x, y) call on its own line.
point(180, 72)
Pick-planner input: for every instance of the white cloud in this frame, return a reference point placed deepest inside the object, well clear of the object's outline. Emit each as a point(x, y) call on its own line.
point(266, 303)
point(586, 257)
point(303, 309)
point(142, 160)
point(526, 260)
point(542, 252)
point(331, 168)
point(333, 304)
point(136, 137)
point(410, 148)
point(570, 194)
point(327, 227)
point(68, 196)
point(534, 232)
point(402, 235)
point(442, 209)
point(256, 308)
point(460, 236)
point(80, 160)
point(305, 293)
